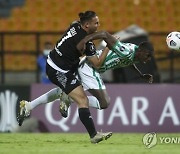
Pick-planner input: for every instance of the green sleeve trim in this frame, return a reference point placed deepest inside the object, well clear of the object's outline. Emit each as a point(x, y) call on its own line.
point(114, 46)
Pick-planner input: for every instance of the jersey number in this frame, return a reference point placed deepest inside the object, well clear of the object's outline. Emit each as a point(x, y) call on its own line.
point(70, 34)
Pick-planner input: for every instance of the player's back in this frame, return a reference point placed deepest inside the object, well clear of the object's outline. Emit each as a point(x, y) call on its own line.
point(65, 54)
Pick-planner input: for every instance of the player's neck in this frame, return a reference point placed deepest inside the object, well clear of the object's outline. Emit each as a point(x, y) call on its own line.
point(85, 29)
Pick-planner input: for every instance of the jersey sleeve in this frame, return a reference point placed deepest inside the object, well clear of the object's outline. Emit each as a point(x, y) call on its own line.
point(90, 49)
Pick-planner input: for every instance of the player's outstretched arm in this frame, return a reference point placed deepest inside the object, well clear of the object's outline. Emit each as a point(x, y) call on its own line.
point(147, 77)
point(81, 46)
point(107, 37)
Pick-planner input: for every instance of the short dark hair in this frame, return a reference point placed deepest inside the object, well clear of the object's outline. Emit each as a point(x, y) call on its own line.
point(86, 16)
point(146, 46)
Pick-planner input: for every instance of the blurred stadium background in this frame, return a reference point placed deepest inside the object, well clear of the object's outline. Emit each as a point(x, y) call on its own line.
point(26, 24)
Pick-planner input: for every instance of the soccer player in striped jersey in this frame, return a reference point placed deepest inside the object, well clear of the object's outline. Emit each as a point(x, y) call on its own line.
point(123, 55)
point(126, 54)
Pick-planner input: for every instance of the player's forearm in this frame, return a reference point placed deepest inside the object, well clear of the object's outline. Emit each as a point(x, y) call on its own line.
point(137, 70)
point(102, 57)
point(96, 61)
point(147, 77)
point(98, 35)
point(95, 36)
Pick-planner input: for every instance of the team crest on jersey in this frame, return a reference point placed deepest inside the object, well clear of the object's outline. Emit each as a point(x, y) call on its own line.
point(92, 48)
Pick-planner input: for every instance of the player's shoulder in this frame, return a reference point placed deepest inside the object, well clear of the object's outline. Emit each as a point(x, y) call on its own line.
point(90, 45)
point(90, 49)
point(76, 24)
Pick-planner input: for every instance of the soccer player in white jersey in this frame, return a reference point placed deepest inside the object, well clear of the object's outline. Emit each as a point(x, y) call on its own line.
point(127, 55)
point(91, 78)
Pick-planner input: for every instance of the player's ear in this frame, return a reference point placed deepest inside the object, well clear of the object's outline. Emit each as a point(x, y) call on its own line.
point(86, 24)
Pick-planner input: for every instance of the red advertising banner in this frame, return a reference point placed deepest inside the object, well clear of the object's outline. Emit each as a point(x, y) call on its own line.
point(133, 108)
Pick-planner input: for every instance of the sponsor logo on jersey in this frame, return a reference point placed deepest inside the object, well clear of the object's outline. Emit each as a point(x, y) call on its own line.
point(73, 81)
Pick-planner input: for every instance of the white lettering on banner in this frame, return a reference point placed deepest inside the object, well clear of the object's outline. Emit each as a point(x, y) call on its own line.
point(139, 112)
point(169, 111)
point(139, 106)
point(8, 101)
point(100, 117)
point(118, 105)
point(75, 117)
point(61, 123)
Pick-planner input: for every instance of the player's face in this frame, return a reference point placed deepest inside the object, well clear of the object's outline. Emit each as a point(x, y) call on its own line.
point(144, 57)
point(93, 25)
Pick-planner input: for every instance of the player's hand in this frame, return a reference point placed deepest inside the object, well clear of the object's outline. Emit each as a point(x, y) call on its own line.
point(147, 77)
point(117, 37)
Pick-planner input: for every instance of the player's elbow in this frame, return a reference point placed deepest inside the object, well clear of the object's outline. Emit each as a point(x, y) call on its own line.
point(105, 34)
point(97, 66)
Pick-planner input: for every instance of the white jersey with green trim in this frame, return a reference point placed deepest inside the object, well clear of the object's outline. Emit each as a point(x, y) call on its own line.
point(121, 55)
